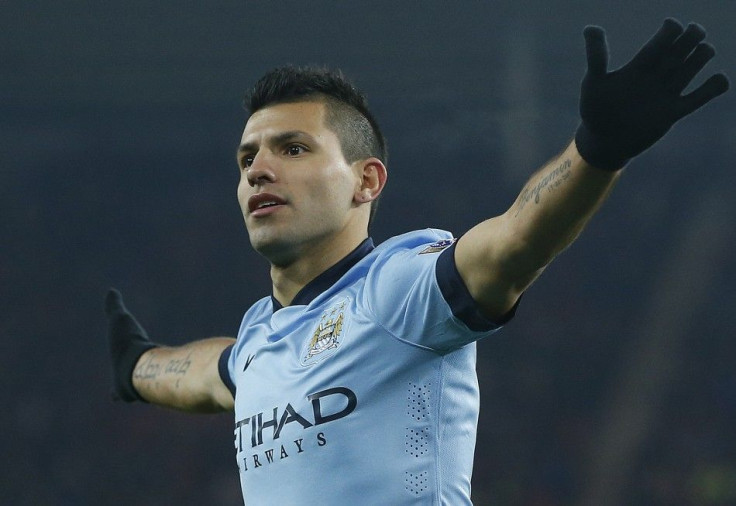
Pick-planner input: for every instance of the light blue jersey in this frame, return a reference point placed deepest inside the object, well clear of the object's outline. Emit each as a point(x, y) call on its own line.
point(364, 390)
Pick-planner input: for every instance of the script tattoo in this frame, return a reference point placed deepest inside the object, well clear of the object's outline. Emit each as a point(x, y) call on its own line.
point(548, 182)
point(152, 369)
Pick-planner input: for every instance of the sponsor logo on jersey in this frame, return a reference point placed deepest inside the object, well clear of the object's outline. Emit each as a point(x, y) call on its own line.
point(328, 335)
point(258, 438)
point(438, 246)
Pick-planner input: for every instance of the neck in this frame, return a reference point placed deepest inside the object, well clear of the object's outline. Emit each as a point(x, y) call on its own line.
point(289, 279)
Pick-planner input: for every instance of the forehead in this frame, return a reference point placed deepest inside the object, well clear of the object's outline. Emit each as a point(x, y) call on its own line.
point(298, 116)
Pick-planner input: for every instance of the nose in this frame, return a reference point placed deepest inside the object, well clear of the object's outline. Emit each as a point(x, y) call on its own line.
point(261, 170)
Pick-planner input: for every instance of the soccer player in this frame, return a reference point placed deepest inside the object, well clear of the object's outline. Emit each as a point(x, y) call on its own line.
point(354, 382)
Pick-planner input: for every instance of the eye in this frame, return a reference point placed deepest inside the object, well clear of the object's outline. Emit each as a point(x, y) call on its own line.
point(246, 161)
point(295, 150)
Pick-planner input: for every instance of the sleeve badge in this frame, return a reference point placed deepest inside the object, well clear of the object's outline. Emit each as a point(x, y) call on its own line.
point(438, 246)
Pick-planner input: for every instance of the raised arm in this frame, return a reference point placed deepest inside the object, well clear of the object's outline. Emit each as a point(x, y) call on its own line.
point(183, 377)
point(622, 113)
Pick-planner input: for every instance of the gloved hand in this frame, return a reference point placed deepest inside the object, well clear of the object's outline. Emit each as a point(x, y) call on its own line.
point(626, 111)
point(128, 341)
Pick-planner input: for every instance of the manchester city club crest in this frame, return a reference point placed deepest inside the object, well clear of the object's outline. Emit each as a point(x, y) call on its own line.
point(328, 335)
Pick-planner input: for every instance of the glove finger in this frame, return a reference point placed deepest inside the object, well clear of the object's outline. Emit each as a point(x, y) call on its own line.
point(715, 85)
point(693, 35)
point(683, 75)
point(656, 47)
point(121, 324)
point(114, 302)
point(596, 50)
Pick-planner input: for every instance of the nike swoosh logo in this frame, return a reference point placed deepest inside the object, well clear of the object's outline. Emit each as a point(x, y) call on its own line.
point(248, 361)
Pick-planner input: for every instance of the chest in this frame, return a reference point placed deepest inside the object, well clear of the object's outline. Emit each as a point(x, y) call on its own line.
point(294, 354)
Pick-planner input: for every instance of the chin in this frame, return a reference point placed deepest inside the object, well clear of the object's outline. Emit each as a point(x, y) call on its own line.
point(278, 250)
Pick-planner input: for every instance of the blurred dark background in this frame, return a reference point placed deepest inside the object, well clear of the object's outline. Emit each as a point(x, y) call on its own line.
point(615, 384)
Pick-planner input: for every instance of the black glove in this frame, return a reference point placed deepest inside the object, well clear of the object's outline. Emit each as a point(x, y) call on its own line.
point(626, 111)
point(128, 341)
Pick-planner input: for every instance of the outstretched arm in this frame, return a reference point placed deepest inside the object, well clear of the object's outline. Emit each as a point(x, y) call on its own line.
point(184, 377)
point(622, 113)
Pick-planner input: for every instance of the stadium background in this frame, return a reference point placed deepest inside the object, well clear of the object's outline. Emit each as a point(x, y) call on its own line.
point(615, 384)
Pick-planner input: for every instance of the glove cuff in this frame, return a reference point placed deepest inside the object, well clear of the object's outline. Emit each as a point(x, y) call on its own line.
point(597, 152)
point(124, 388)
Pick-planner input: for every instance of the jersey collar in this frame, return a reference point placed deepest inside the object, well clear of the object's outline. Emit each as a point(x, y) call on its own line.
point(328, 278)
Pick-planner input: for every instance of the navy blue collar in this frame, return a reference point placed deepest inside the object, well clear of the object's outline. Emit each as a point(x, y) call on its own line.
point(328, 278)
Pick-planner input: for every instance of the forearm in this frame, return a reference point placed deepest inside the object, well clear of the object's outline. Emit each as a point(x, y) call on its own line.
point(499, 258)
point(184, 377)
point(553, 208)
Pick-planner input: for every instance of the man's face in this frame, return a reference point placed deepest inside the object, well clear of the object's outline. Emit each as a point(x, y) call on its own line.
point(296, 190)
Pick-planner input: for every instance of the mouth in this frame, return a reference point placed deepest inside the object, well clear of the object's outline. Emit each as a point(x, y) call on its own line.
point(262, 204)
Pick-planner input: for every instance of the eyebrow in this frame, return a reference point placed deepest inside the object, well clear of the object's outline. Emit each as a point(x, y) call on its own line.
point(249, 147)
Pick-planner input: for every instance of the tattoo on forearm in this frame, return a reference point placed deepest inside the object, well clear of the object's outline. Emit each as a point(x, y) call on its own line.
point(548, 182)
point(152, 369)
point(147, 369)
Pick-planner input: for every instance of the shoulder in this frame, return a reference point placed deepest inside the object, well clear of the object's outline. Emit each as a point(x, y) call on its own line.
point(263, 308)
point(429, 239)
point(405, 262)
point(402, 257)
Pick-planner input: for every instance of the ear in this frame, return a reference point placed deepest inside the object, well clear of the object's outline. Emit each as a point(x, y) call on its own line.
point(373, 175)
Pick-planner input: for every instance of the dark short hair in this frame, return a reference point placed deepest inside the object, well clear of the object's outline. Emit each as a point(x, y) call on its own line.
point(346, 108)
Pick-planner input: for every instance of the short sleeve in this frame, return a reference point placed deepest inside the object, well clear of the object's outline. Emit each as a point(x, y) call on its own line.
point(422, 300)
point(224, 366)
point(458, 297)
